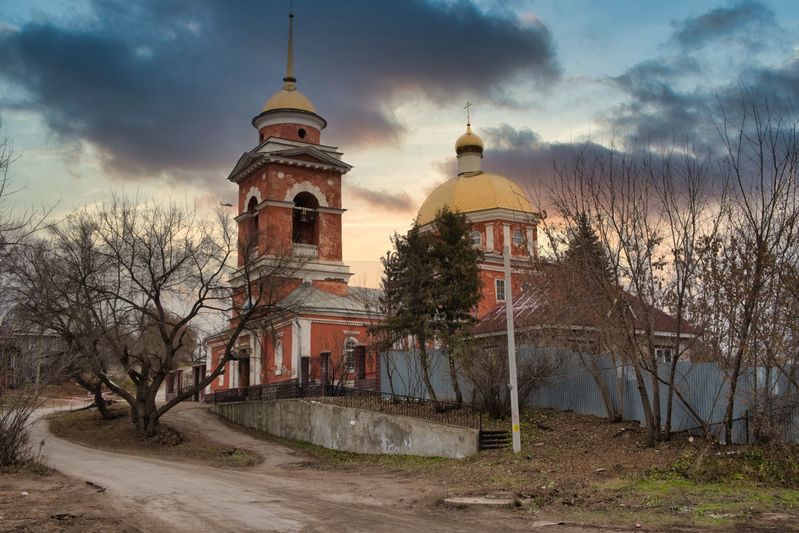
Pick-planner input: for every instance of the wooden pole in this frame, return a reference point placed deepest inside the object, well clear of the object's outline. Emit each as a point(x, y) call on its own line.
point(514, 381)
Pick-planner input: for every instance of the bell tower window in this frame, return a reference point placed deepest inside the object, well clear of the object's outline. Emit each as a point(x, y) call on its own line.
point(252, 230)
point(304, 226)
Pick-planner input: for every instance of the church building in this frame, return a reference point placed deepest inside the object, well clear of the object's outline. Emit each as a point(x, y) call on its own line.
point(289, 204)
point(499, 213)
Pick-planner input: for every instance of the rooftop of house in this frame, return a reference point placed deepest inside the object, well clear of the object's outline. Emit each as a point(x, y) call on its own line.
point(548, 303)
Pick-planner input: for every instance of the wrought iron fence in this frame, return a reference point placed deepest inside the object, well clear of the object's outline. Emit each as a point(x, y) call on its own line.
point(442, 412)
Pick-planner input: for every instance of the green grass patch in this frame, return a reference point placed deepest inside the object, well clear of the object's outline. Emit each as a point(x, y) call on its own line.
point(713, 504)
point(775, 466)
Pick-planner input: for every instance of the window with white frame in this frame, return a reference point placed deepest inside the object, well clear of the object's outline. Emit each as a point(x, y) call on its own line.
point(664, 354)
point(477, 238)
point(279, 366)
point(499, 285)
point(518, 238)
point(349, 354)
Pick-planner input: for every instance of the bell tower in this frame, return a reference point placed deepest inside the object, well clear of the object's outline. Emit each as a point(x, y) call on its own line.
point(290, 188)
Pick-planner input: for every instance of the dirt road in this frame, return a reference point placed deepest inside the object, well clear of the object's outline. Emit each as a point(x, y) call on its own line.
point(282, 494)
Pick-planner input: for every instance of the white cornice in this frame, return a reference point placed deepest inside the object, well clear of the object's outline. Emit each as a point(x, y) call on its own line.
point(316, 270)
point(503, 215)
point(331, 210)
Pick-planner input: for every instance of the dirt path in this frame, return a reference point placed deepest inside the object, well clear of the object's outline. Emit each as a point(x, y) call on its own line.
point(282, 494)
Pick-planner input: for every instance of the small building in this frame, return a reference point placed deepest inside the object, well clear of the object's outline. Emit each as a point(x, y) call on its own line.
point(545, 314)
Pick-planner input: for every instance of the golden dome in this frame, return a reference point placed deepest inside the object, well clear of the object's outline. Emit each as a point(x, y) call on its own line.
point(474, 192)
point(289, 98)
point(469, 142)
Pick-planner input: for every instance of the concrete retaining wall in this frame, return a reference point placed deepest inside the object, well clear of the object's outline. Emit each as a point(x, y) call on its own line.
point(351, 430)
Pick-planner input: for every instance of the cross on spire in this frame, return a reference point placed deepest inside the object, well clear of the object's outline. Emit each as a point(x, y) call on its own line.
point(468, 114)
point(290, 79)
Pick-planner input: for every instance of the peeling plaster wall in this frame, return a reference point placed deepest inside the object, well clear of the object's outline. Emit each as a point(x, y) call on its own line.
point(352, 430)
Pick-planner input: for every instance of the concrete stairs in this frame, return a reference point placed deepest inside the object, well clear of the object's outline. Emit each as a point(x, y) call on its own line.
point(492, 440)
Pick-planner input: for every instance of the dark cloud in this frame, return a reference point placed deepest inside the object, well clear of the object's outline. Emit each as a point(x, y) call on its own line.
point(747, 22)
point(391, 201)
point(167, 89)
point(506, 136)
point(673, 97)
point(656, 108)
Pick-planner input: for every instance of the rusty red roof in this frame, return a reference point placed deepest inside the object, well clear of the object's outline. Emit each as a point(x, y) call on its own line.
point(548, 305)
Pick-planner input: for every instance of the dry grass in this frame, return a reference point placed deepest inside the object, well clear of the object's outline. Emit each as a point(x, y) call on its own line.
point(35, 499)
point(87, 428)
point(583, 469)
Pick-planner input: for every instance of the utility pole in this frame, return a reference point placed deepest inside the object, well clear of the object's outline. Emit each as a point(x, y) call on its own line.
point(514, 381)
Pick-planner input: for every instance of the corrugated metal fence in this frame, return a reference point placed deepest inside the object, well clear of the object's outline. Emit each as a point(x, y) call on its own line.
point(704, 386)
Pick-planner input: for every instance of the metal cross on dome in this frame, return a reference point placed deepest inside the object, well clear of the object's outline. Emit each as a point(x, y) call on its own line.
point(468, 114)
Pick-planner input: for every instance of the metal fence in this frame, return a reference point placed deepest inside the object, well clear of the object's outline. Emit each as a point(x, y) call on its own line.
point(442, 412)
point(273, 391)
point(705, 386)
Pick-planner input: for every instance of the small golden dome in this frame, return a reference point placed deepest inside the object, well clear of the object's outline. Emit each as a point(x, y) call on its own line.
point(289, 98)
point(474, 192)
point(469, 142)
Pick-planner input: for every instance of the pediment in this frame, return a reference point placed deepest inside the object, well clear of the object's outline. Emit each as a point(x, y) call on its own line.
point(307, 156)
point(310, 154)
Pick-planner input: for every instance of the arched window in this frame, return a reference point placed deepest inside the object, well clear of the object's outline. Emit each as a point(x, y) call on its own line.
point(518, 238)
point(252, 230)
point(349, 354)
point(304, 219)
point(477, 238)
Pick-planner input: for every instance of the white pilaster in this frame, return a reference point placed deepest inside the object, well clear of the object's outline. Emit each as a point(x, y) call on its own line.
point(255, 362)
point(490, 237)
point(506, 237)
point(532, 245)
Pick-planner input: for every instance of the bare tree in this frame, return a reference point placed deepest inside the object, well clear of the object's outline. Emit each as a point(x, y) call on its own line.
point(741, 267)
point(156, 271)
point(17, 406)
point(692, 205)
point(50, 280)
point(486, 368)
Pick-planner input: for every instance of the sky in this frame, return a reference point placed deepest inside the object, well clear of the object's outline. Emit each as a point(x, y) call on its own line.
point(155, 98)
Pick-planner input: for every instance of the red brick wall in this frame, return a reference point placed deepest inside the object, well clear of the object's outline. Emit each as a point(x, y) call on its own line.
point(290, 132)
point(333, 287)
point(330, 248)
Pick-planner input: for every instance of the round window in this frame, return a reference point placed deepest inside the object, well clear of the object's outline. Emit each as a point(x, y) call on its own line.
point(302, 133)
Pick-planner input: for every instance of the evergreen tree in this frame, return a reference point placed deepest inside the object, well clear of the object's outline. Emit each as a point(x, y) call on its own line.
point(457, 288)
point(409, 295)
point(430, 286)
point(585, 254)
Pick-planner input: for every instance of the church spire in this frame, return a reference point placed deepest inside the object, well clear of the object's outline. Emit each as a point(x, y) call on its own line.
point(289, 81)
point(469, 147)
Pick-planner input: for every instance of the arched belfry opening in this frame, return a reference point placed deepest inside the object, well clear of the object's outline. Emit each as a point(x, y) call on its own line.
point(252, 230)
point(304, 222)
